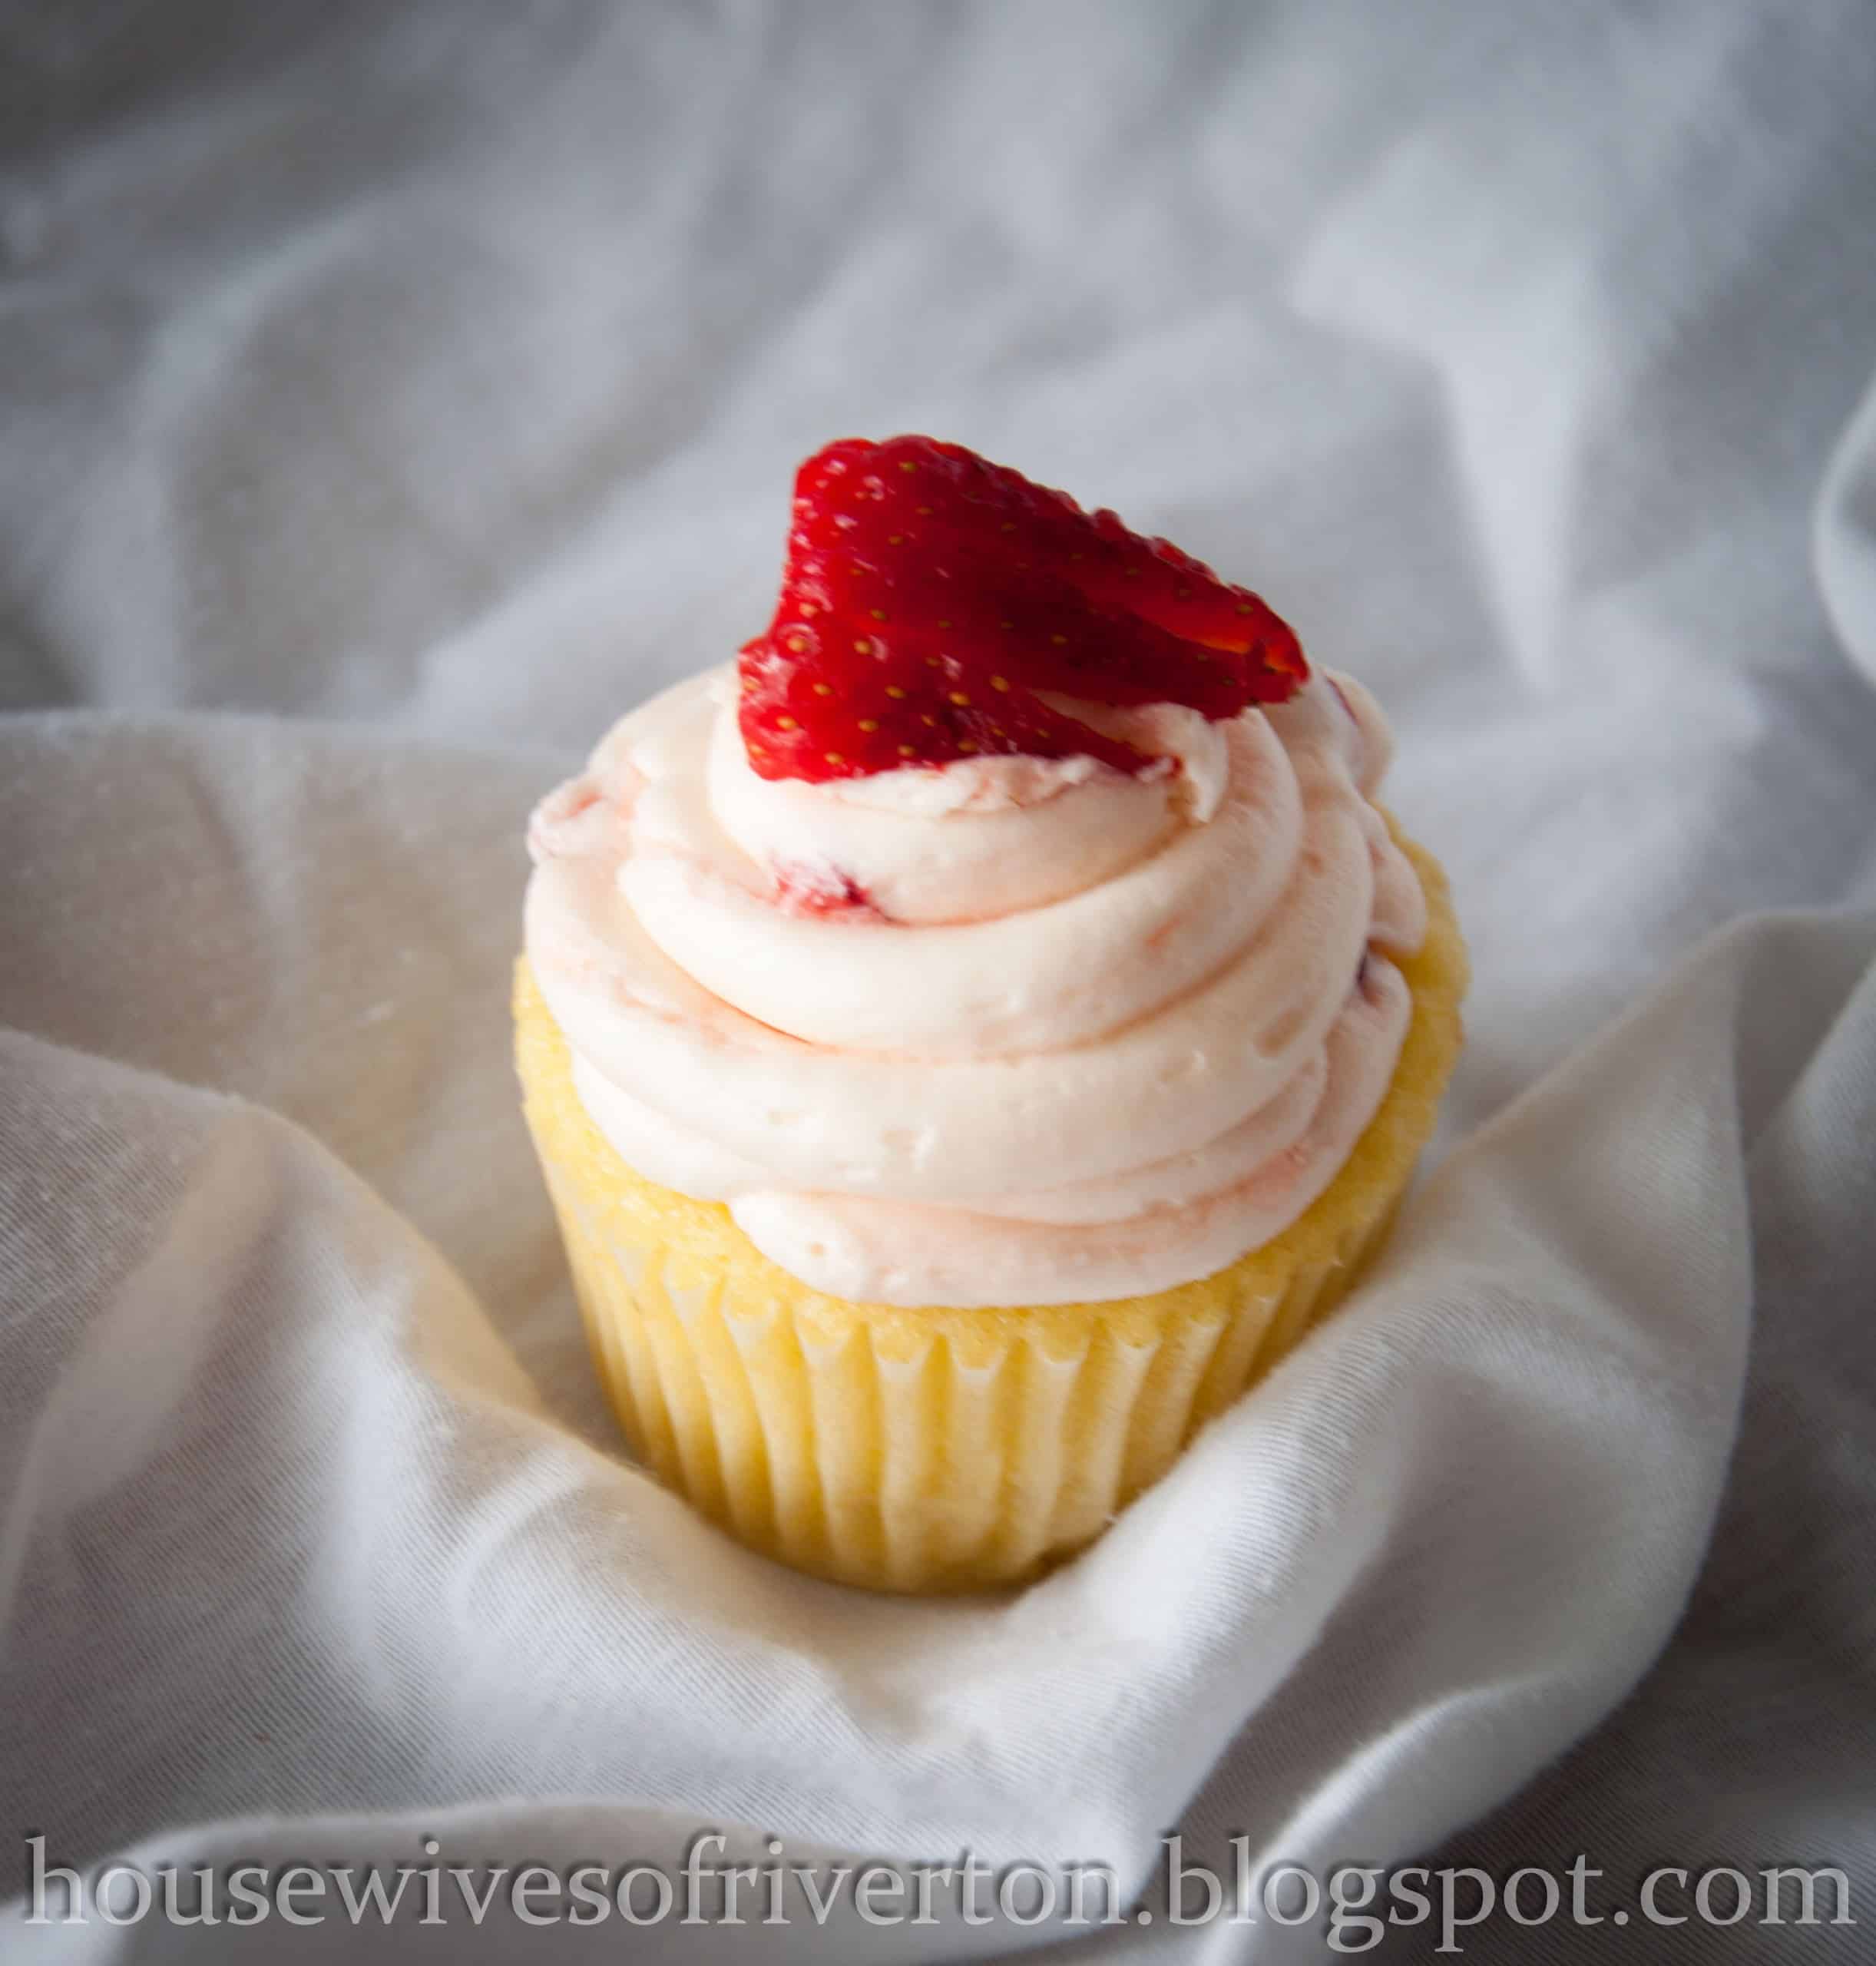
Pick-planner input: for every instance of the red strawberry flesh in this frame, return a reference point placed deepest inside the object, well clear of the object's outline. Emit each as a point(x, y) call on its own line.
point(931, 600)
point(820, 891)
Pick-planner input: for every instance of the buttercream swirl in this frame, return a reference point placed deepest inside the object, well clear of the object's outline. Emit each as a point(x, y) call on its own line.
point(1007, 1031)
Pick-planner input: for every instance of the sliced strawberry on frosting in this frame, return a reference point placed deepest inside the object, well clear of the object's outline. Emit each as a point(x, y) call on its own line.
point(935, 606)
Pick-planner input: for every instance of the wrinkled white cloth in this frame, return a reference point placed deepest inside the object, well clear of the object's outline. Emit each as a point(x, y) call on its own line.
point(423, 382)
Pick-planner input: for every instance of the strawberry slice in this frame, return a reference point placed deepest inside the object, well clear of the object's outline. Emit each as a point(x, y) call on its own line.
point(932, 599)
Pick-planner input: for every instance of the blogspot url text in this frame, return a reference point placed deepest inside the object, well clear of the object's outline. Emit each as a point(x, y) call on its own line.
point(1353, 1905)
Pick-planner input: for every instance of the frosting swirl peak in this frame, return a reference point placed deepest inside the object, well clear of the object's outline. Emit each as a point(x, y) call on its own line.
point(1011, 1029)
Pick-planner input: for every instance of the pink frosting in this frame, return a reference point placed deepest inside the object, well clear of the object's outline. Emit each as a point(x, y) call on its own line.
point(1005, 1032)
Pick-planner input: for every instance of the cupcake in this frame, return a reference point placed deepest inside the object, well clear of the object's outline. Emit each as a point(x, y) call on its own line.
point(973, 1036)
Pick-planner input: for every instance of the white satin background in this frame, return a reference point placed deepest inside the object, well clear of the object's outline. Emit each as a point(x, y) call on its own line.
point(392, 394)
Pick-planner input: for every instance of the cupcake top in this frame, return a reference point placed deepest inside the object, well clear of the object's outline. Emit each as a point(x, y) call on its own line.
point(1010, 925)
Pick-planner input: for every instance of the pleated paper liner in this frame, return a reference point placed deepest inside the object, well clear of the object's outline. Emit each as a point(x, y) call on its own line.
point(940, 1450)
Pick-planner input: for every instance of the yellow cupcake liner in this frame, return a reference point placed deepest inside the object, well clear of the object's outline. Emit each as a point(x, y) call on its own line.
point(941, 1450)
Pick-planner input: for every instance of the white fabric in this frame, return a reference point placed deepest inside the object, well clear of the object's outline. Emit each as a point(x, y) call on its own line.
point(425, 379)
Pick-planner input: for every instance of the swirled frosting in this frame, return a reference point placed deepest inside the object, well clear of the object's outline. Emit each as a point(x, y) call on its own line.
point(1007, 1031)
